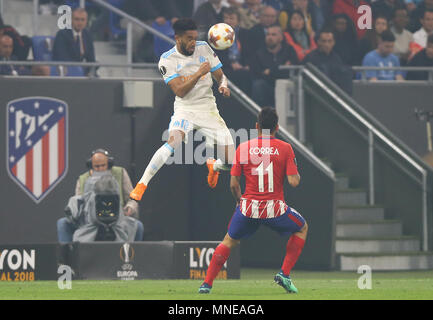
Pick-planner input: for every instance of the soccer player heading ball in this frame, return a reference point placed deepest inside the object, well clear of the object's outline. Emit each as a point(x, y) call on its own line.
point(265, 162)
point(188, 69)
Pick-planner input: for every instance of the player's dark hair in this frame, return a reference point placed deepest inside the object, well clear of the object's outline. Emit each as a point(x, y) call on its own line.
point(387, 36)
point(268, 119)
point(183, 25)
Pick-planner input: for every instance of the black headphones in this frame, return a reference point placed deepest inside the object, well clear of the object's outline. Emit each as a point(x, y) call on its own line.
point(103, 151)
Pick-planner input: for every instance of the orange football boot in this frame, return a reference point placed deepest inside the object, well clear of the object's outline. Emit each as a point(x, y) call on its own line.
point(138, 191)
point(212, 177)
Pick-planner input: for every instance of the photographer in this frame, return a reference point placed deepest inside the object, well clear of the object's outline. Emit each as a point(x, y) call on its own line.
point(101, 161)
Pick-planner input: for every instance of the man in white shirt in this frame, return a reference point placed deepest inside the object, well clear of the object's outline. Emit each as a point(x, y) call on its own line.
point(420, 37)
point(188, 69)
point(403, 37)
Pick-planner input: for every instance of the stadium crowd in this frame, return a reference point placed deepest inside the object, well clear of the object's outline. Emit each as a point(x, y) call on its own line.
point(268, 33)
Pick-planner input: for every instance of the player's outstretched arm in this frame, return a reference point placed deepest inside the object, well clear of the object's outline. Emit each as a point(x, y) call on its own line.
point(294, 180)
point(223, 88)
point(181, 86)
point(235, 187)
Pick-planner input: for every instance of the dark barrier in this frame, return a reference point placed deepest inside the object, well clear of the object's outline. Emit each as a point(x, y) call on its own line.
point(122, 261)
point(178, 204)
point(149, 260)
point(393, 105)
point(28, 262)
point(192, 259)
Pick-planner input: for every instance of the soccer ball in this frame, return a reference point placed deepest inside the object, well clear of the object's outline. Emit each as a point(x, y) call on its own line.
point(221, 36)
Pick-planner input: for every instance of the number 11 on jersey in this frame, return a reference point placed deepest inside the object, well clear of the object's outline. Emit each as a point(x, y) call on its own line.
point(270, 172)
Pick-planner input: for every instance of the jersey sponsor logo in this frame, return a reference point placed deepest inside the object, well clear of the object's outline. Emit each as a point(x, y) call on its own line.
point(264, 151)
point(163, 70)
point(37, 144)
point(186, 78)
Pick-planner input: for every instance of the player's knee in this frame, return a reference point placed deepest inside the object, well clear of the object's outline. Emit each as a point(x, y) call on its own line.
point(230, 242)
point(176, 139)
point(304, 229)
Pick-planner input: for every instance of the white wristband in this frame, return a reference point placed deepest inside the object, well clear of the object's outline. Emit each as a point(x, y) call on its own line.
point(223, 83)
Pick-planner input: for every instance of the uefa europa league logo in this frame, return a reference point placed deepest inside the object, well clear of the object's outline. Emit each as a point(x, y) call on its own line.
point(127, 253)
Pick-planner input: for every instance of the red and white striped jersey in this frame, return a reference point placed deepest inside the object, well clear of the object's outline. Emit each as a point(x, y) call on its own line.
point(262, 209)
point(265, 162)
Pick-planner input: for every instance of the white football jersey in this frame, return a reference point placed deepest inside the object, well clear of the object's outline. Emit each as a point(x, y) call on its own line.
point(173, 64)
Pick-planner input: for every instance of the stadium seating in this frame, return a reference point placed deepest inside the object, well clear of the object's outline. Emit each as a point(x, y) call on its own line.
point(42, 47)
point(76, 3)
point(73, 71)
point(115, 29)
point(160, 45)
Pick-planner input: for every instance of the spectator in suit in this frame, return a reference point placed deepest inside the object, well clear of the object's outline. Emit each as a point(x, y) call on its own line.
point(233, 59)
point(346, 42)
point(371, 38)
point(22, 44)
point(417, 15)
point(6, 54)
point(329, 62)
point(256, 35)
point(424, 58)
point(6, 48)
point(403, 37)
point(383, 57)
point(74, 44)
point(206, 15)
point(297, 35)
point(265, 65)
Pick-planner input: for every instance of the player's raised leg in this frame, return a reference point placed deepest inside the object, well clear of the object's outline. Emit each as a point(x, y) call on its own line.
point(158, 160)
point(293, 250)
point(219, 257)
point(223, 163)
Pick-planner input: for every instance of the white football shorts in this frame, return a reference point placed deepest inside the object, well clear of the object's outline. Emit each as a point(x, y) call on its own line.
point(208, 123)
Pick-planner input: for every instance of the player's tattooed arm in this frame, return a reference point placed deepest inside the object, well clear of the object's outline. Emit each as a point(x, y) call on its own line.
point(235, 187)
point(181, 86)
point(219, 76)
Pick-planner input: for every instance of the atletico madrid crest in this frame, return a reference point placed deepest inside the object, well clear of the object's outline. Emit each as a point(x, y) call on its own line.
point(37, 145)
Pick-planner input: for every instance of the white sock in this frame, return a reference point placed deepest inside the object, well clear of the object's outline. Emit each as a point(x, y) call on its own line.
point(220, 166)
point(158, 160)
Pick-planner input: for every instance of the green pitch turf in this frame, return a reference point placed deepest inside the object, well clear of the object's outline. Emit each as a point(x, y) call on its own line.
point(254, 284)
